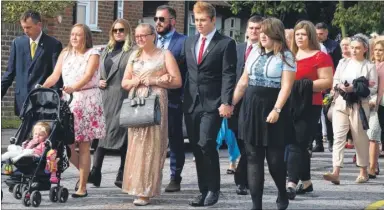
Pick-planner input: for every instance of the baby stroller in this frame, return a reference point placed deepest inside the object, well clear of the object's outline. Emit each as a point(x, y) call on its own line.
point(42, 104)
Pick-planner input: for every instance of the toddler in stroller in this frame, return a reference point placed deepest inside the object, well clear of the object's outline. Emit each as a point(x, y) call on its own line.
point(40, 161)
point(33, 147)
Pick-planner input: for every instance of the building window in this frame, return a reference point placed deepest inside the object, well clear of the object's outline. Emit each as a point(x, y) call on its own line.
point(87, 12)
point(120, 9)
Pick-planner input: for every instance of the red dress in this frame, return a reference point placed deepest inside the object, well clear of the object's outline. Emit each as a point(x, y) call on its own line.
point(307, 69)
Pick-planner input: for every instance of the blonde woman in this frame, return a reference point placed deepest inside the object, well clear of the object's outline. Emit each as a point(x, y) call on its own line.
point(148, 67)
point(346, 113)
point(113, 61)
point(377, 111)
point(78, 66)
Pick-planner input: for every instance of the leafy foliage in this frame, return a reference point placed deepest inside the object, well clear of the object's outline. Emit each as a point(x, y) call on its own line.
point(12, 10)
point(268, 8)
point(363, 17)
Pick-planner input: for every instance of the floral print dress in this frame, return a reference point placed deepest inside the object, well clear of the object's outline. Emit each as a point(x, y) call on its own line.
point(86, 106)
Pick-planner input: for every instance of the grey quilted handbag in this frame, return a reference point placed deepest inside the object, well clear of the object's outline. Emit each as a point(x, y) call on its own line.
point(140, 111)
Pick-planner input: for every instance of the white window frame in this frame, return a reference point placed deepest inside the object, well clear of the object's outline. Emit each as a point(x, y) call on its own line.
point(87, 4)
point(191, 22)
point(120, 9)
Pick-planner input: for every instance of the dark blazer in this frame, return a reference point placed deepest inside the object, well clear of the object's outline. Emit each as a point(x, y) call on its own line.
point(176, 46)
point(27, 71)
point(213, 80)
point(240, 49)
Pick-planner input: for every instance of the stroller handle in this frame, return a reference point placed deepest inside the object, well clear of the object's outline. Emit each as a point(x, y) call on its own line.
point(70, 95)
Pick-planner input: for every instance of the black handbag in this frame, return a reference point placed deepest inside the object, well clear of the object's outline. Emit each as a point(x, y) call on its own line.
point(140, 111)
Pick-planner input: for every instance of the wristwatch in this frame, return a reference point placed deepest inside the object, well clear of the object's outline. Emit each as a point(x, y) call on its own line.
point(277, 110)
point(228, 104)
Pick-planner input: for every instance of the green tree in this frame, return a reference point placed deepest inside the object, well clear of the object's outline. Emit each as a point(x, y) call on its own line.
point(362, 17)
point(278, 9)
point(12, 10)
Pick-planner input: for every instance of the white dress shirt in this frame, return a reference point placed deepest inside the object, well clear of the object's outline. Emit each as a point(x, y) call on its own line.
point(36, 40)
point(207, 41)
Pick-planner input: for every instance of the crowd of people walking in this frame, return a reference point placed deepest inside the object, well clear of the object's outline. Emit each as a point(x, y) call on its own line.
point(277, 80)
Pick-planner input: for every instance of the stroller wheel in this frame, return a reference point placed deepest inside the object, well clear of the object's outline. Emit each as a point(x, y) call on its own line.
point(26, 198)
point(36, 198)
point(63, 195)
point(17, 191)
point(10, 189)
point(53, 194)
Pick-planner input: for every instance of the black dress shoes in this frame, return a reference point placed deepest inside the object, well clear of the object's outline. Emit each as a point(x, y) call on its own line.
point(119, 179)
point(95, 177)
point(198, 201)
point(282, 202)
point(301, 190)
point(291, 193)
point(241, 190)
point(173, 186)
point(212, 198)
point(330, 145)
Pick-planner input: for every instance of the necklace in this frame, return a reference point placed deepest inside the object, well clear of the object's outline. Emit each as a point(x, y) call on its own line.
point(142, 60)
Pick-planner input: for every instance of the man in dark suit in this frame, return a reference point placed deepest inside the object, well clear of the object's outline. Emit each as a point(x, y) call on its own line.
point(243, 51)
point(33, 58)
point(168, 38)
point(334, 50)
point(211, 64)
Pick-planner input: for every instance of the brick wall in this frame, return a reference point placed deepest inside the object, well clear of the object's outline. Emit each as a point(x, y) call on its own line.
point(133, 11)
point(179, 6)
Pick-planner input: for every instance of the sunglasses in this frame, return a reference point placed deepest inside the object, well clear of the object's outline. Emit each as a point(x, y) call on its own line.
point(161, 19)
point(115, 30)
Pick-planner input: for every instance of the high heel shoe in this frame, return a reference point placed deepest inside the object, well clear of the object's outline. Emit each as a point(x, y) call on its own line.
point(95, 177)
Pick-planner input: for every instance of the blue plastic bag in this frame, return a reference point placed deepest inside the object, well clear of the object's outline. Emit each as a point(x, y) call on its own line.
point(229, 137)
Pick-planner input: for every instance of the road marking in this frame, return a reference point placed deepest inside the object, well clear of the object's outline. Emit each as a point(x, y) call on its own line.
point(376, 205)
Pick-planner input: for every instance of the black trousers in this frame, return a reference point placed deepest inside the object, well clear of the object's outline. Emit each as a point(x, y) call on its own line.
point(176, 140)
point(277, 168)
point(202, 128)
point(98, 157)
point(381, 121)
point(299, 161)
point(241, 169)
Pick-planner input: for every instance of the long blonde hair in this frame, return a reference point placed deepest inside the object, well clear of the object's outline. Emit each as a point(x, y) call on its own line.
point(310, 29)
point(380, 42)
point(128, 36)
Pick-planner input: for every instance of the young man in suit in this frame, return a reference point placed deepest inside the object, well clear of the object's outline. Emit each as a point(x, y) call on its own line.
point(211, 64)
point(243, 51)
point(32, 59)
point(168, 38)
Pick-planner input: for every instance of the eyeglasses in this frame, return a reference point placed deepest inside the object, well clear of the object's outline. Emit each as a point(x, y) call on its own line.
point(161, 19)
point(142, 36)
point(115, 30)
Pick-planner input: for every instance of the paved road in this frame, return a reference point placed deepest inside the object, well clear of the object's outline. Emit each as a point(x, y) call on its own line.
point(348, 195)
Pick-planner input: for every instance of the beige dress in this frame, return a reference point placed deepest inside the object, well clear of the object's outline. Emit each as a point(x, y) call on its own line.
point(147, 146)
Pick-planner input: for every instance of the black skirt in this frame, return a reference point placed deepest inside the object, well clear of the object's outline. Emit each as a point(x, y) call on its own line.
point(258, 102)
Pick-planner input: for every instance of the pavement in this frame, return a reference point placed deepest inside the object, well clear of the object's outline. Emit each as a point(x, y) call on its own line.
point(348, 195)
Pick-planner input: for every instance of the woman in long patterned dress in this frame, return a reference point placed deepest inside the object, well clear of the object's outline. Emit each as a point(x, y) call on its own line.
point(155, 68)
point(78, 66)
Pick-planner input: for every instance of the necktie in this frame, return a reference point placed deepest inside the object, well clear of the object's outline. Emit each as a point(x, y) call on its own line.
point(33, 49)
point(201, 50)
point(162, 42)
point(249, 49)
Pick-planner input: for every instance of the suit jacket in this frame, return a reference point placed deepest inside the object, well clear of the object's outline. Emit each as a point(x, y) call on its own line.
point(27, 71)
point(176, 46)
point(213, 80)
point(240, 49)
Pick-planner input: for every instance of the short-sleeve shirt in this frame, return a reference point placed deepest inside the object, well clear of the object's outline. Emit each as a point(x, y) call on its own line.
point(265, 69)
point(307, 69)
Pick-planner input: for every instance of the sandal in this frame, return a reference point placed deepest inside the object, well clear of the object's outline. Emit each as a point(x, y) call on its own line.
point(332, 178)
point(361, 179)
point(140, 202)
